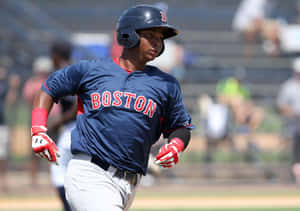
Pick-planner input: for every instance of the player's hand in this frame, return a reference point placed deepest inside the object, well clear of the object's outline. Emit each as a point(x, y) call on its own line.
point(168, 154)
point(42, 145)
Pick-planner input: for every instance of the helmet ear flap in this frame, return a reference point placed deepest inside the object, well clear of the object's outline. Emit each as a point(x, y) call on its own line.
point(128, 38)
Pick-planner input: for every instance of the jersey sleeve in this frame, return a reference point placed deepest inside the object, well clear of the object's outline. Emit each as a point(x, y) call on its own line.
point(66, 81)
point(176, 115)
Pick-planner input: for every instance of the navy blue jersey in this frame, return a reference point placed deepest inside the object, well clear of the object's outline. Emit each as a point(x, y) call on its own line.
point(124, 113)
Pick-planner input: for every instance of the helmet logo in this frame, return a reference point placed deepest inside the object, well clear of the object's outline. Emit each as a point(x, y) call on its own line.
point(163, 16)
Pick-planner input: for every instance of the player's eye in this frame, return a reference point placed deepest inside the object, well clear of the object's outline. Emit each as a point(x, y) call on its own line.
point(146, 34)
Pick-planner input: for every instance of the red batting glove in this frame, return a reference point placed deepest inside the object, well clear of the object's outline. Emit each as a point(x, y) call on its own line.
point(42, 145)
point(169, 153)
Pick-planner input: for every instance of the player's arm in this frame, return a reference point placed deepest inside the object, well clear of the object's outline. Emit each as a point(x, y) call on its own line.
point(168, 154)
point(184, 136)
point(179, 122)
point(43, 100)
point(42, 145)
point(66, 81)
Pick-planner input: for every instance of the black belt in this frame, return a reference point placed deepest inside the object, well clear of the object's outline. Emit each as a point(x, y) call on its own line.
point(131, 177)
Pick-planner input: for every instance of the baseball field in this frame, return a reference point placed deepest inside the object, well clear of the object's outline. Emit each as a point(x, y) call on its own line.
point(174, 197)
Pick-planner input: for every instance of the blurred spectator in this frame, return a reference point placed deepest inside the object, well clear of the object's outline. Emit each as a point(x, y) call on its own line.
point(247, 116)
point(171, 60)
point(8, 96)
point(232, 92)
point(290, 31)
point(288, 103)
point(63, 123)
point(297, 19)
point(42, 67)
point(218, 128)
point(13, 99)
point(14, 85)
point(216, 119)
point(115, 49)
point(204, 102)
point(253, 20)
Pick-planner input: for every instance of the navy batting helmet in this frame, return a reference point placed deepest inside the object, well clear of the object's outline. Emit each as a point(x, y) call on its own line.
point(138, 18)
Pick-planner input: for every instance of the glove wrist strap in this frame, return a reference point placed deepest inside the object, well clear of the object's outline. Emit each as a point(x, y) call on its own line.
point(178, 142)
point(39, 118)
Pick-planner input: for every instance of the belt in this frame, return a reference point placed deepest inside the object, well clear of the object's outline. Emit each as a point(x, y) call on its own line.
point(130, 177)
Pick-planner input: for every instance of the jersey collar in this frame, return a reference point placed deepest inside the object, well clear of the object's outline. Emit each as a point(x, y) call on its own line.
point(117, 61)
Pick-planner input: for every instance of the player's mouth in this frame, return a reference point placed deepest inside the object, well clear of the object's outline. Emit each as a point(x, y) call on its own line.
point(153, 53)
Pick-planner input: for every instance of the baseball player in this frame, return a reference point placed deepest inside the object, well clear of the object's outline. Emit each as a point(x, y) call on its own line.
point(61, 55)
point(124, 106)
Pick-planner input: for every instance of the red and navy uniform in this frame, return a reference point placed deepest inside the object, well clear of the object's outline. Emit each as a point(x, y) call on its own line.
point(124, 112)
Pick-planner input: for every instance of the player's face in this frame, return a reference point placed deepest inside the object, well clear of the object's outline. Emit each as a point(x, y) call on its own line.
point(150, 43)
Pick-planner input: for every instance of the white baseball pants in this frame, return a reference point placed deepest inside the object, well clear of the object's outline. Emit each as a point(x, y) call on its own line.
point(91, 188)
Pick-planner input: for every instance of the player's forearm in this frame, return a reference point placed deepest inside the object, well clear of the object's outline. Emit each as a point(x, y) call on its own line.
point(168, 154)
point(42, 145)
point(183, 134)
point(43, 100)
point(41, 107)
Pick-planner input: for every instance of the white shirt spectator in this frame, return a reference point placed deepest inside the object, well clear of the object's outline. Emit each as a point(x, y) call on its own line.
point(168, 59)
point(289, 94)
point(247, 12)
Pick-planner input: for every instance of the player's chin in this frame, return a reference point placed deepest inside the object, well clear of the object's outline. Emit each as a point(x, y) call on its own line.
point(150, 59)
point(151, 56)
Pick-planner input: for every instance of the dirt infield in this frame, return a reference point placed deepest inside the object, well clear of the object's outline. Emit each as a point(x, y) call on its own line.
point(217, 202)
point(166, 203)
point(175, 196)
point(21, 196)
point(218, 196)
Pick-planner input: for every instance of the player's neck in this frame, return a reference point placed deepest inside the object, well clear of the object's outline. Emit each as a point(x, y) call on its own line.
point(62, 64)
point(131, 64)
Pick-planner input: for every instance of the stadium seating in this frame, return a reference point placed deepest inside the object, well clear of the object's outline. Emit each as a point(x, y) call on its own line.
point(205, 27)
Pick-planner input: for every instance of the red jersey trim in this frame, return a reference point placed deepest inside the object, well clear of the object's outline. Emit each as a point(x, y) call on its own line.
point(80, 108)
point(45, 85)
point(117, 61)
